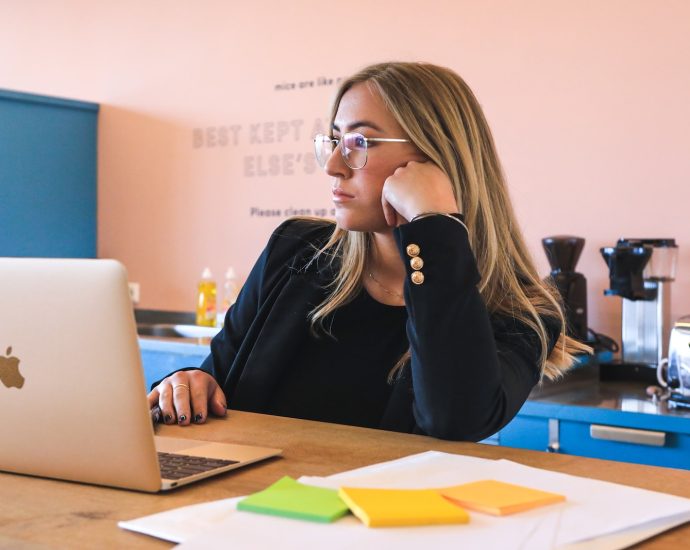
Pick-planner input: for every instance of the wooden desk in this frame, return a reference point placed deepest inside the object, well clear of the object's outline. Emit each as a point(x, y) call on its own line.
point(36, 512)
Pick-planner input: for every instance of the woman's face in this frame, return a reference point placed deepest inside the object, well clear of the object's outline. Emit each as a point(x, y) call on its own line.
point(357, 193)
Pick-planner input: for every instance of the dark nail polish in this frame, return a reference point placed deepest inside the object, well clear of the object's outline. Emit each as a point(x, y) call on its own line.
point(198, 418)
point(168, 419)
point(182, 418)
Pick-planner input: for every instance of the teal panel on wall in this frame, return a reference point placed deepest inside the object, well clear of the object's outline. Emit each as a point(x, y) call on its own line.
point(48, 180)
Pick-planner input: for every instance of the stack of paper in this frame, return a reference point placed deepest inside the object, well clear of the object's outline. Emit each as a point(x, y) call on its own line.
point(597, 514)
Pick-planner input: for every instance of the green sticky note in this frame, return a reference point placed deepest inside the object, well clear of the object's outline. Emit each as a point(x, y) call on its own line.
point(291, 499)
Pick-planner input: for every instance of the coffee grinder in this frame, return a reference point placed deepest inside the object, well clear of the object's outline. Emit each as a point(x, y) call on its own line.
point(563, 252)
point(641, 272)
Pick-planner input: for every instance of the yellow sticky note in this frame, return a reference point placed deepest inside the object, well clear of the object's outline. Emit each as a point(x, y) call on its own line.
point(498, 498)
point(388, 507)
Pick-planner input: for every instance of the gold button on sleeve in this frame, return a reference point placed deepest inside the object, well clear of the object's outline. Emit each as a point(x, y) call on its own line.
point(417, 277)
point(416, 263)
point(412, 250)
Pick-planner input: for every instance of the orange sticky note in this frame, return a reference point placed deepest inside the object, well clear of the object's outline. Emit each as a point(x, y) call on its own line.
point(498, 498)
point(389, 507)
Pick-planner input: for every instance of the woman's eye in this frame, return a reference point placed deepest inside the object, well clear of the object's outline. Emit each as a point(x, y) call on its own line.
point(355, 141)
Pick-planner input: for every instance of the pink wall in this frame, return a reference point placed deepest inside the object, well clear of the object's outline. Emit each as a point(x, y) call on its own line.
point(588, 102)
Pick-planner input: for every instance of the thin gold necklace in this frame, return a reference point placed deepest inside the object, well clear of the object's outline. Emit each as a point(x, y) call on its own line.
point(386, 290)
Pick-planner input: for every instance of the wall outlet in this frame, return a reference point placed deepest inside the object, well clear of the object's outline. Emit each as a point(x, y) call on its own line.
point(134, 292)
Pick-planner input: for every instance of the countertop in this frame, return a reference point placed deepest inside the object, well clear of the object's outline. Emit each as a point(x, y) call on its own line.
point(583, 388)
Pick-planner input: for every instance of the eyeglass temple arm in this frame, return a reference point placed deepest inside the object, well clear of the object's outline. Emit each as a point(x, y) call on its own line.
point(396, 140)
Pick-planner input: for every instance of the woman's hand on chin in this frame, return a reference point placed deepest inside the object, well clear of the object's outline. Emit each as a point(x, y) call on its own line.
point(416, 188)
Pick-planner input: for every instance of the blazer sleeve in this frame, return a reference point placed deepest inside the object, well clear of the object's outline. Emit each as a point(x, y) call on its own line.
point(470, 373)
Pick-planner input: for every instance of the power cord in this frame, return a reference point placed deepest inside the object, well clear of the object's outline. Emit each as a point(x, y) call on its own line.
point(601, 341)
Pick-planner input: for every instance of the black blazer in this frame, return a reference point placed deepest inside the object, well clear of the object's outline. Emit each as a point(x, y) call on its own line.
point(469, 372)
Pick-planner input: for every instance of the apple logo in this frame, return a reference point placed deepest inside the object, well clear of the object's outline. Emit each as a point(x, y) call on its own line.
point(9, 371)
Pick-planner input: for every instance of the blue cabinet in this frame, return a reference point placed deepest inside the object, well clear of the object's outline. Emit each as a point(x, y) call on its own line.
point(47, 176)
point(613, 421)
point(161, 357)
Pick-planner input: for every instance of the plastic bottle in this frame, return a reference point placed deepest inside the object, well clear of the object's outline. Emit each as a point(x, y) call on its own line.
point(230, 291)
point(206, 302)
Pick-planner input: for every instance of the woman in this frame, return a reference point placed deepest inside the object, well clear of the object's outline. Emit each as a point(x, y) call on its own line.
point(419, 310)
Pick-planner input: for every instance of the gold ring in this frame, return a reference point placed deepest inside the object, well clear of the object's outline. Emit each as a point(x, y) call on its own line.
point(180, 386)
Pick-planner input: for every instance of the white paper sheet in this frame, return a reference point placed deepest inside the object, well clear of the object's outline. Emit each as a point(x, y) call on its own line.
point(597, 515)
point(183, 523)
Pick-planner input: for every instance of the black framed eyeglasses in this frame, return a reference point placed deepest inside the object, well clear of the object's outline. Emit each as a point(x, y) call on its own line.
point(353, 148)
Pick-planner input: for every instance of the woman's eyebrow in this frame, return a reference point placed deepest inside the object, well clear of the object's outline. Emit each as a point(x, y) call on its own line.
point(358, 124)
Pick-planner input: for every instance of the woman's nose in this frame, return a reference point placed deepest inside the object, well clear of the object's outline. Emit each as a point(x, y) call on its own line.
point(335, 165)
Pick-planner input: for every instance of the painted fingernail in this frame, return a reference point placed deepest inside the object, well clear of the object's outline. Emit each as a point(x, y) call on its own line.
point(168, 418)
point(182, 418)
point(198, 418)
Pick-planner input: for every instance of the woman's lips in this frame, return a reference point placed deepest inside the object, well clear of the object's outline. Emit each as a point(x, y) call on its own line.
point(341, 196)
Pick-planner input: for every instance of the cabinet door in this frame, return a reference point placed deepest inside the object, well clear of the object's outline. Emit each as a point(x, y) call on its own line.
point(47, 176)
point(626, 444)
point(526, 432)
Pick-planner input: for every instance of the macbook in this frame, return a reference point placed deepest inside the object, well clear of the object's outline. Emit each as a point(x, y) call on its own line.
point(72, 396)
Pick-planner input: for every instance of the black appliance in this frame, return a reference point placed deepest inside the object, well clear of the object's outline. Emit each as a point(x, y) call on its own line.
point(563, 252)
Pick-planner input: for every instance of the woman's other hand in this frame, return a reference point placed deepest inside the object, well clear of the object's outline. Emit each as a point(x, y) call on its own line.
point(188, 396)
point(415, 188)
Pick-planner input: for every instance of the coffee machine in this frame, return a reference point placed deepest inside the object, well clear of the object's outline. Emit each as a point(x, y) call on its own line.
point(563, 252)
point(641, 272)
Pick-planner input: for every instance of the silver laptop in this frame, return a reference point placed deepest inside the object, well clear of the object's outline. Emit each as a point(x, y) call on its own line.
point(72, 395)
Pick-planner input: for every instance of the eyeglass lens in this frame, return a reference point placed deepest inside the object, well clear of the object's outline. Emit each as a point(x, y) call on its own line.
point(323, 148)
point(353, 148)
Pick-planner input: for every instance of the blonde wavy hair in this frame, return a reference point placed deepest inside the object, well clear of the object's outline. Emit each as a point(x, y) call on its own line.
point(441, 116)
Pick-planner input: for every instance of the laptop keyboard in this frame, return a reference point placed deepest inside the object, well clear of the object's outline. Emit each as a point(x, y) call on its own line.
point(176, 466)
